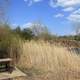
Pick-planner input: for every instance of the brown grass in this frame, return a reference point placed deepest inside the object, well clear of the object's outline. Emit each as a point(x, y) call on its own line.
point(56, 61)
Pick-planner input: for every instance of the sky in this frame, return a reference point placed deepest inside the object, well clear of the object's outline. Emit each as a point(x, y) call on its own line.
point(57, 15)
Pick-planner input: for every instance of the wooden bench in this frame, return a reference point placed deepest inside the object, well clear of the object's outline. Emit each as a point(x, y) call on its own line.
point(8, 71)
point(5, 65)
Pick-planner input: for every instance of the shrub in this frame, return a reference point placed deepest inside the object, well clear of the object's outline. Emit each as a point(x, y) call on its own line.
point(9, 43)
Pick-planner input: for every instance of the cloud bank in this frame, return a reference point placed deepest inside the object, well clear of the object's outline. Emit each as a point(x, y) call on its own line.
point(71, 7)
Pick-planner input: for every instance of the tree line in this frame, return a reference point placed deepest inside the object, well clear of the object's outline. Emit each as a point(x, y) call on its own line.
point(35, 31)
point(40, 31)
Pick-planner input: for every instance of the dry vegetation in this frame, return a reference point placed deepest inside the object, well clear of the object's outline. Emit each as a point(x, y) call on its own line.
point(44, 61)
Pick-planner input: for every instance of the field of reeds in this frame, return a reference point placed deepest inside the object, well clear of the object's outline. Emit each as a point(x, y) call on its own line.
point(41, 60)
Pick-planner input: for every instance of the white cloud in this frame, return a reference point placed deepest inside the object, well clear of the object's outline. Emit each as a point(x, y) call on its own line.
point(68, 9)
point(26, 25)
point(73, 33)
point(75, 16)
point(66, 3)
point(52, 3)
point(69, 6)
point(37, 0)
point(77, 11)
point(14, 25)
point(30, 2)
point(59, 15)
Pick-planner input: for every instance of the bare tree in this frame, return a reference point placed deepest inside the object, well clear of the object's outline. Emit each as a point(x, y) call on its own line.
point(40, 31)
point(37, 28)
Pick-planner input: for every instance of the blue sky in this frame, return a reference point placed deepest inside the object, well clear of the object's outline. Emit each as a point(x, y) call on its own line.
point(57, 15)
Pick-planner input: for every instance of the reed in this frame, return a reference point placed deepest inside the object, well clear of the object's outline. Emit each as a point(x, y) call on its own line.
point(42, 55)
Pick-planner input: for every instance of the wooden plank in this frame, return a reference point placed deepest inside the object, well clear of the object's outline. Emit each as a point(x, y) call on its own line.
point(15, 74)
point(5, 65)
point(6, 60)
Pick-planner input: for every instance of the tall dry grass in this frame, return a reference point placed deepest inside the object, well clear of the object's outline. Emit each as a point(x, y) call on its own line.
point(42, 55)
